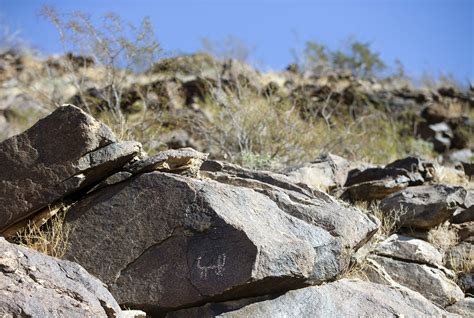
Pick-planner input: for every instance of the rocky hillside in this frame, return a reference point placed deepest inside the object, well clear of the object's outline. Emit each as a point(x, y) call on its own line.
point(233, 112)
point(209, 189)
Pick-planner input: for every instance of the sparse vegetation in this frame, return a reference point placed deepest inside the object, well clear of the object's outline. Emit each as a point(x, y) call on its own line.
point(443, 237)
point(46, 235)
point(358, 58)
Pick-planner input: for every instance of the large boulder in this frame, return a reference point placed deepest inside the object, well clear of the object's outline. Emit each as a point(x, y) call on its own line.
point(185, 241)
point(442, 290)
point(62, 153)
point(35, 285)
point(299, 200)
point(424, 207)
point(344, 298)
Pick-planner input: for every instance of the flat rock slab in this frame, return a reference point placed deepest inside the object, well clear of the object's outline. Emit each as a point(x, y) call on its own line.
point(326, 172)
point(409, 249)
point(344, 298)
point(35, 285)
point(62, 153)
point(172, 241)
point(424, 207)
point(373, 174)
point(442, 290)
point(374, 190)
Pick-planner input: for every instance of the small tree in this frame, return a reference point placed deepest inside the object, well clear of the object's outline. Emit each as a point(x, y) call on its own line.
point(120, 48)
point(359, 59)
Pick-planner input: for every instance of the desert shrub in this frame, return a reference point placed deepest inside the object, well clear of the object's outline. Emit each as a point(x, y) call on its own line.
point(264, 131)
point(358, 58)
point(116, 50)
point(443, 236)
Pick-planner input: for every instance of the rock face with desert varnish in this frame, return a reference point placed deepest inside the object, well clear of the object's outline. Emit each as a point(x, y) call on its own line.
point(60, 154)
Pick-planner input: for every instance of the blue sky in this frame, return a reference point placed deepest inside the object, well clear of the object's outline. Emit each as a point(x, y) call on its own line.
point(426, 35)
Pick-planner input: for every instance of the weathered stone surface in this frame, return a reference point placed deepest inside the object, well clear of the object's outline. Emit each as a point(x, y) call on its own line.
point(62, 153)
point(424, 206)
point(211, 310)
point(344, 298)
point(417, 277)
point(310, 205)
point(373, 174)
point(374, 190)
point(182, 161)
point(35, 285)
point(198, 240)
point(409, 249)
point(325, 173)
point(464, 307)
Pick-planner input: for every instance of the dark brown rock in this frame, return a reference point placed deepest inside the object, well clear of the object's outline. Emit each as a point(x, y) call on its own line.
point(199, 240)
point(62, 153)
point(464, 307)
point(374, 190)
point(424, 207)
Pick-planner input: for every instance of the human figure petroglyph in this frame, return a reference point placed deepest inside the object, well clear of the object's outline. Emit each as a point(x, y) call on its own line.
point(218, 268)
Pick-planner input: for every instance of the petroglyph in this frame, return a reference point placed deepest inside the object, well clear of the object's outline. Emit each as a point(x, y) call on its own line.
point(218, 268)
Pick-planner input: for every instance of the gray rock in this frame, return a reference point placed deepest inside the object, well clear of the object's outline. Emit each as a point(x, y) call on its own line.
point(409, 249)
point(464, 307)
point(424, 207)
point(35, 285)
point(211, 310)
point(62, 153)
point(310, 205)
point(326, 172)
point(462, 155)
point(194, 240)
point(132, 314)
point(442, 290)
point(344, 298)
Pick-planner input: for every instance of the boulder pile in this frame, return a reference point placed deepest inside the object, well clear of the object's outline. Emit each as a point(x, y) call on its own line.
point(179, 235)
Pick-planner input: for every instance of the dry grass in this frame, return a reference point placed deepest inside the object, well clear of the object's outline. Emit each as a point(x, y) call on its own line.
point(50, 238)
point(389, 221)
point(451, 176)
point(462, 263)
point(389, 224)
point(443, 236)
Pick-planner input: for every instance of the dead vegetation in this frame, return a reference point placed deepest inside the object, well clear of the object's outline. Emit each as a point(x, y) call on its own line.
point(48, 236)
